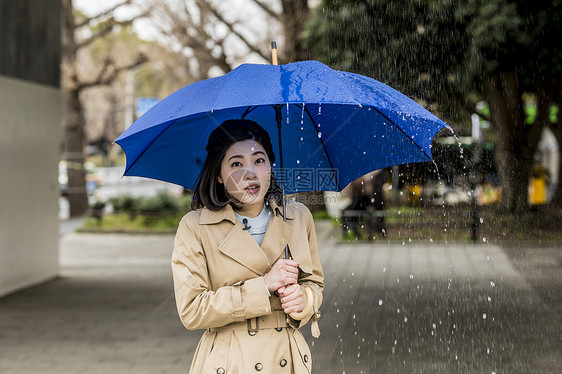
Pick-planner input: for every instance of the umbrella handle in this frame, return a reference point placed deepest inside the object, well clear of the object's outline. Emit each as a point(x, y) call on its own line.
point(307, 308)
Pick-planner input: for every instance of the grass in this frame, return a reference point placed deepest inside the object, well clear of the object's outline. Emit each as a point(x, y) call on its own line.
point(454, 224)
point(122, 222)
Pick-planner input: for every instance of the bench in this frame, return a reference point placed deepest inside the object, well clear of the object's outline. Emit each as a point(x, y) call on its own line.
point(355, 220)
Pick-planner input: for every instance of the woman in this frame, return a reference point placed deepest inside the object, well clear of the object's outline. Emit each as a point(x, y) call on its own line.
point(230, 274)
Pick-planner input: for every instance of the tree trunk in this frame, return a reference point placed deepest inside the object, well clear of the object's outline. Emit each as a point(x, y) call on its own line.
point(73, 118)
point(74, 153)
point(515, 142)
point(295, 15)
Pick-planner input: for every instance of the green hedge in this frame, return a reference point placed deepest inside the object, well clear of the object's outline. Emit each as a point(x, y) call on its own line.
point(161, 204)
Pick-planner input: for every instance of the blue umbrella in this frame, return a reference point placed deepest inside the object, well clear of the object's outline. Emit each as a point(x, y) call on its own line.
point(331, 127)
point(336, 126)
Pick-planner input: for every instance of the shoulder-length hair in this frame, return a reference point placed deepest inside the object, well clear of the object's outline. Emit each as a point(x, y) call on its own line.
point(209, 192)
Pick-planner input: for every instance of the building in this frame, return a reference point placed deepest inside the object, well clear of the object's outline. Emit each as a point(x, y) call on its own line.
point(29, 142)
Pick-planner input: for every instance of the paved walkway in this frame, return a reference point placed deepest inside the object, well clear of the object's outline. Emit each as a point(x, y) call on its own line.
point(388, 309)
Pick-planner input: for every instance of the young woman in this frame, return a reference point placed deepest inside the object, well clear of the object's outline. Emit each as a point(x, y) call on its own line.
point(230, 272)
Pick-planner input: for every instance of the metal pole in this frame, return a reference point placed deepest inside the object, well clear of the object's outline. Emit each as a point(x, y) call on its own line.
point(278, 118)
point(474, 173)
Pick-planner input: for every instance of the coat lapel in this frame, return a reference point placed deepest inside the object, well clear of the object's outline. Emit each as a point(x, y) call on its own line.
point(242, 247)
point(276, 237)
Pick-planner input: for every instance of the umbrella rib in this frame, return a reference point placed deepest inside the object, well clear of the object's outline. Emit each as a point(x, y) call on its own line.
point(402, 131)
point(323, 146)
point(249, 110)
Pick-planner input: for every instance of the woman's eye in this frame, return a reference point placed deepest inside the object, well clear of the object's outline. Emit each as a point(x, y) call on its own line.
point(260, 160)
point(235, 164)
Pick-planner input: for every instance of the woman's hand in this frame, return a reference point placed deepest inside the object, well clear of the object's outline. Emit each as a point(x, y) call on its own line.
point(291, 298)
point(282, 273)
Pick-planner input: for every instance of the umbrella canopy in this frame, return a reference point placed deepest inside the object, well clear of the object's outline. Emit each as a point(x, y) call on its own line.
point(336, 126)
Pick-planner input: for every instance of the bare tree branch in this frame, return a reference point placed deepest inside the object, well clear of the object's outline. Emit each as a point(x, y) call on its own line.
point(103, 78)
point(266, 8)
point(103, 14)
point(110, 25)
point(230, 26)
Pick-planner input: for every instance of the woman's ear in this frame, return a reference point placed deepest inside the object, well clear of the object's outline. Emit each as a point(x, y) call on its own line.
point(219, 179)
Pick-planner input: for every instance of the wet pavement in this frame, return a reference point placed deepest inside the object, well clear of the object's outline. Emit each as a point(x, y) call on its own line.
point(413, 308)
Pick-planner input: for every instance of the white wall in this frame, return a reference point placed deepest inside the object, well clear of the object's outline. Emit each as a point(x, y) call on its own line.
point(29, 145)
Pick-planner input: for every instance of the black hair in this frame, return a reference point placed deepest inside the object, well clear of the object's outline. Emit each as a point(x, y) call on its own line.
point(209, 192)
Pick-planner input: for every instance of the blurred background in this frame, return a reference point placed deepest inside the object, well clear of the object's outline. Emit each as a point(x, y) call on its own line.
point(75, 74)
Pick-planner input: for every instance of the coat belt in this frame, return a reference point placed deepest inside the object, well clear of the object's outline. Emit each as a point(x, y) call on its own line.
point(277, 319)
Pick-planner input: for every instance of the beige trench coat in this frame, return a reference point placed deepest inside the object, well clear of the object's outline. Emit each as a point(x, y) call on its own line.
point(218, 273)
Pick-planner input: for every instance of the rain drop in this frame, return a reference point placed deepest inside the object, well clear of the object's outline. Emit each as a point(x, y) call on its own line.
point(380, 302)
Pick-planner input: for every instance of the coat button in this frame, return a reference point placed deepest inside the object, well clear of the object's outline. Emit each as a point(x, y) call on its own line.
point(279, 328)
point(283, 363)
point(305, 358)
point(220, 371)
point(259, 366)
point(252, 333)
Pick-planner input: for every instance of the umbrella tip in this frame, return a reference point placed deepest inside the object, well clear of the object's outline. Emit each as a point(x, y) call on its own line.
point(274, 53)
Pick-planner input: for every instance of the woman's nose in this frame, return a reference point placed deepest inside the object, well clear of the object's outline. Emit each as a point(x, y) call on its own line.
point(250, 173)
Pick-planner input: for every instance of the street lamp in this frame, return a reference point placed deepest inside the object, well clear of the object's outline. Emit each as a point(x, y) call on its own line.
point(475, 118)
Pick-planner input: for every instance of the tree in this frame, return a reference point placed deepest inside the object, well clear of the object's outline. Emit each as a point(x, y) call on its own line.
point(449, 54)
point(74, 84)
point(399, 43)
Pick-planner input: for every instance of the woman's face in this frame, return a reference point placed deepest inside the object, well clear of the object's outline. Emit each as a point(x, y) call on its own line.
point(246, 172)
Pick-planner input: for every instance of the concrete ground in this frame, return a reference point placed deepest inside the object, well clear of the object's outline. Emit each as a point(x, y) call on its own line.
point(413, 308)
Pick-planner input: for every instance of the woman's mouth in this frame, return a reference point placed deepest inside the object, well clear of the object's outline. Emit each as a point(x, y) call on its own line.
point(253, 189)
